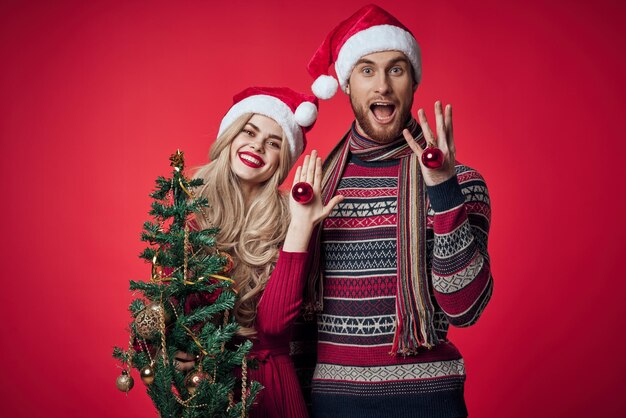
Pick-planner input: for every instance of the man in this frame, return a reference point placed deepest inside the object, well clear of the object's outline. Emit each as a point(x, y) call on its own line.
point(405, 254)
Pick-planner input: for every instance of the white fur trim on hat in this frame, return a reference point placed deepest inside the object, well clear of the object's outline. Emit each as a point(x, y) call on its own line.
point(306, 114)
point(273, 108)
point(324, 87)
point(377, 39)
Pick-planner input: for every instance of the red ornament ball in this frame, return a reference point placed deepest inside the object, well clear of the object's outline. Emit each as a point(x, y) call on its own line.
point(302, 193)
point(432, 157)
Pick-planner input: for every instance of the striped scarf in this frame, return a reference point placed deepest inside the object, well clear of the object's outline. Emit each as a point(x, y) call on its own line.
point(414, 325)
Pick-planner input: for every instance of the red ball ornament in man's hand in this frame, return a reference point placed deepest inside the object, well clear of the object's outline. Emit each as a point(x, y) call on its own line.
point(302, 193)
point(432, 157)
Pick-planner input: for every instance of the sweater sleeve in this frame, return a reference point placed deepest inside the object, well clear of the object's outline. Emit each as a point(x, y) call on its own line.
point(281, 300)
point(461, 274)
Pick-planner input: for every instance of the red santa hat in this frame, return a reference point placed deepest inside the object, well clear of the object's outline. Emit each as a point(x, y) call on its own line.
point(369, 30)
point(294, 112)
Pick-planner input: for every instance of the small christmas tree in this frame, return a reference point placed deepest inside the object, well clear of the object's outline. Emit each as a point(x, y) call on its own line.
point(185, 307)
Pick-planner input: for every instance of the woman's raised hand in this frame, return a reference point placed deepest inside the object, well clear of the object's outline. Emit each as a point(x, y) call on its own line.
point(304, 217)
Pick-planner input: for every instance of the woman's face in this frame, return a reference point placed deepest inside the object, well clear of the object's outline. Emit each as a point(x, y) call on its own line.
point(255, 151)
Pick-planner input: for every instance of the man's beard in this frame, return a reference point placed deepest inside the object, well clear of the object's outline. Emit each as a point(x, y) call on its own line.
point(382, 136)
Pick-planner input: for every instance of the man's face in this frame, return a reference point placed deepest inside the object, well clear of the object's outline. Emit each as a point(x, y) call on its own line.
point(381, 91)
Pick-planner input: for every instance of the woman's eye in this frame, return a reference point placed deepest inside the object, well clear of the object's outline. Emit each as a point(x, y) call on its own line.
point(273, 144)
point(248, 132)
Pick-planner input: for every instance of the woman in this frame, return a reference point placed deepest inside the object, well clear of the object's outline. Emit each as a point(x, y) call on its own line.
point(260, 138)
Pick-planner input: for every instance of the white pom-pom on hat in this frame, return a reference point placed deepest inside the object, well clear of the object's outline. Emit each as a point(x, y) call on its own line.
point(324, 87)
point(305, 114)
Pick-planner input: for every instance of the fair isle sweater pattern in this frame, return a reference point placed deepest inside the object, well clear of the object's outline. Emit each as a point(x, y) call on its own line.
point(359, 243)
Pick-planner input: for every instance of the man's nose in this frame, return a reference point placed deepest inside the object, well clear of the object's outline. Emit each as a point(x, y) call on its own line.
point(382, 84)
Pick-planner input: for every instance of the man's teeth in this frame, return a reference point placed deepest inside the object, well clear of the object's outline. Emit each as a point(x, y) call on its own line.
point(383, 110)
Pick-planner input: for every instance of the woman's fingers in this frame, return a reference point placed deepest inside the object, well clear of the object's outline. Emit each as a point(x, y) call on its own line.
point(310, 171)
point(317, 179)
point(305, 168)
point(181, 355)
point(310, 174)
point(296, 177)
point(184, 361)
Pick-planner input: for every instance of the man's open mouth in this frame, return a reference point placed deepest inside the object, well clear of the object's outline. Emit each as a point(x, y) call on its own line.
point(383, 112)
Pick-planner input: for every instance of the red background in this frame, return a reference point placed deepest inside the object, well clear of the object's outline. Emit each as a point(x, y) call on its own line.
point(96, 95)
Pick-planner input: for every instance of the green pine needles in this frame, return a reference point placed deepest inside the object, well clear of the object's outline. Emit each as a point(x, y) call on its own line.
point(186, 306)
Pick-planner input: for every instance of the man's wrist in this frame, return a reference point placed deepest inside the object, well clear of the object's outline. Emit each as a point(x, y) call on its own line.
point(446, 195)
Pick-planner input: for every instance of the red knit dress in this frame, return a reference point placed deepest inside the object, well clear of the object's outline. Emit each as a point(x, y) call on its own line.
point(278, 308)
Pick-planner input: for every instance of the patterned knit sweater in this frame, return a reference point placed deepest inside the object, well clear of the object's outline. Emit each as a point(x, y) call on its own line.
point(278, 308)
point(355, 375)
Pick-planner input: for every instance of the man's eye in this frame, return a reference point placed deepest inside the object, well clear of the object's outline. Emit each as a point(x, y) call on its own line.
point(396, 70)
point(367, 71)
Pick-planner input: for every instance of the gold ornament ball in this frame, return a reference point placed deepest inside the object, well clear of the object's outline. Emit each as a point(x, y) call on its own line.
point(192, 381)
point(148, 321)
point(147, 374)
point(124, 382)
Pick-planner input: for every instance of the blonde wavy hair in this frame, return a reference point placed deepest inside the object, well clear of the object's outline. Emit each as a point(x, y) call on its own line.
point(251, 233)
